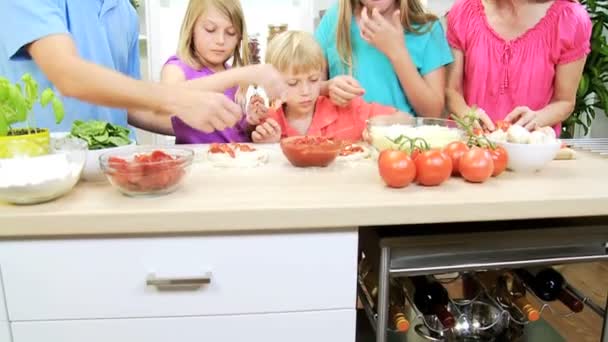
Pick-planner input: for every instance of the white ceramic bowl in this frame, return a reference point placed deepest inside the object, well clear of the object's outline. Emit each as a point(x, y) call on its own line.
point(530, 157)
point(45, 178)
point(92, 171)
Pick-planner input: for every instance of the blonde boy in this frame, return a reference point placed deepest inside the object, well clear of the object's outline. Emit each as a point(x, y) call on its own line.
point(299, 58)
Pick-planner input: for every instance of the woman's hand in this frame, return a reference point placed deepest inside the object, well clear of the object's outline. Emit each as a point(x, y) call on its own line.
point(267, 132)
point(525, 117)
point(342, 89)
point(387, 36)
point(483, 119)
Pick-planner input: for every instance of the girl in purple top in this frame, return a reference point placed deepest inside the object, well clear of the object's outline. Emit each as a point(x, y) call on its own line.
point(212, 33)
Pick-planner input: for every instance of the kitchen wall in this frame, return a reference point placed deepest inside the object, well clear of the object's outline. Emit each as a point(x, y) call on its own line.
point(161, 21)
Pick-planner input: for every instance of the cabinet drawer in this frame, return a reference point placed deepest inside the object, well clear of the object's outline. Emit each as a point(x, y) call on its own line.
point(330, 326)
point(5, 334)
point(92, 279)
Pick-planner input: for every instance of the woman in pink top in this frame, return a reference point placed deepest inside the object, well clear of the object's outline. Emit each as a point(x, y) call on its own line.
point(517, 60)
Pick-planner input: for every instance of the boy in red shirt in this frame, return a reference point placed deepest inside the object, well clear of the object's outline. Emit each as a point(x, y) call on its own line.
point(300, 59)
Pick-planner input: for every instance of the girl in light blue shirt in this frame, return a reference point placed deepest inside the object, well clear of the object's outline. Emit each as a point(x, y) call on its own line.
point(389, 51)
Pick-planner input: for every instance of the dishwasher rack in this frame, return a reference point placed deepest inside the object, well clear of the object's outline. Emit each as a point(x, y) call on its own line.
point(445, 248)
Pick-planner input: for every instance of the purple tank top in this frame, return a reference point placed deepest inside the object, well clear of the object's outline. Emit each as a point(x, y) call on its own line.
point(185, 134)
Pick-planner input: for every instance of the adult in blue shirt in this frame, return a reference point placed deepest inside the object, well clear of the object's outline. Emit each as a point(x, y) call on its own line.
point(88, 50)
point(394, 51)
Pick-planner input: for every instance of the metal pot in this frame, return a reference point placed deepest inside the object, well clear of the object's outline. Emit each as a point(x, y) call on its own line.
point(479, 321)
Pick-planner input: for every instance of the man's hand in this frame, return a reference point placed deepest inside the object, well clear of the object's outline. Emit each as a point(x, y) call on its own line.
point(205, 111)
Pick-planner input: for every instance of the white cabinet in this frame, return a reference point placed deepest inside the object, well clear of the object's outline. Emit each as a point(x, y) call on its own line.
point(5, 334)
point(261, 273)
point(330, 326)
point(3, 316)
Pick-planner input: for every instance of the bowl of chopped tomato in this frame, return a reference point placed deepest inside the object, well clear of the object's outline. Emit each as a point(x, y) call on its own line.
point(310, 151)
point(146, 171)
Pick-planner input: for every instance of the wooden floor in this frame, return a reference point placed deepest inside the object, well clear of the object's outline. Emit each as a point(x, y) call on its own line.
point(592, 280)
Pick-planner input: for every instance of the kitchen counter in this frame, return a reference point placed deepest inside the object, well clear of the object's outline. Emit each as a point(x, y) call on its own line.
point(279, 197)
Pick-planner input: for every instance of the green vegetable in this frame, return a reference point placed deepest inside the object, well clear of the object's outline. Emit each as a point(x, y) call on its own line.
point(17, 103)
point(100, 134)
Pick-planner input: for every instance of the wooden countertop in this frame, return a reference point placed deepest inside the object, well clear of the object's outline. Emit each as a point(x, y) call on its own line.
point(280, 197)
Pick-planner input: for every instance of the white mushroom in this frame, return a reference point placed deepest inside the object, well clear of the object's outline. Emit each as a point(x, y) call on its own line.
point(539, 137)
point(518, 135)
point(498, 136)
point(549, 132)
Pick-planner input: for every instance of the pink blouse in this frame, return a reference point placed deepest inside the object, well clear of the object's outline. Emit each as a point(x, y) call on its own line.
point(500, 75)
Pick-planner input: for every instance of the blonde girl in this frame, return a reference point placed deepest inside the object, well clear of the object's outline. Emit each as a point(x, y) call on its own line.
point(213, 33)
point(388, 51)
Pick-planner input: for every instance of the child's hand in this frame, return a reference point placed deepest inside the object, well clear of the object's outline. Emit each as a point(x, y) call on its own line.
point(267, 132)
point(342, 89)
point(256, 110)
point(386, 35)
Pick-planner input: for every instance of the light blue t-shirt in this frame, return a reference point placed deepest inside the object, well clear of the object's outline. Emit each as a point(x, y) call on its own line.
point(374, 71)
point(105, 31)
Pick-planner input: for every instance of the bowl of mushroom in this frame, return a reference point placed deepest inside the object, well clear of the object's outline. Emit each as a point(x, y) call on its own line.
point(528, 151)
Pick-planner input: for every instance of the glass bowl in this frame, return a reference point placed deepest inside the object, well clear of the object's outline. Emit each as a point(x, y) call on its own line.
point(304, 151)
point(146, 170)
point(33, 180)
point(384, 130)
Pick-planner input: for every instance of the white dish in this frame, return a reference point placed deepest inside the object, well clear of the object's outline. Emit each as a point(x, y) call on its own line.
point(530, 157)
point(92, 169)
point(45, 178)
point(241, 159)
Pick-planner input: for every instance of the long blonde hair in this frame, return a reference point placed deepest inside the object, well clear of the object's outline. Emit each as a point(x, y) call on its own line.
point(233, 10)
point(413, 17)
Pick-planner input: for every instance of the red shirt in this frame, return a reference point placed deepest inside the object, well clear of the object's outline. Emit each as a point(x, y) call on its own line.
point(332, 121)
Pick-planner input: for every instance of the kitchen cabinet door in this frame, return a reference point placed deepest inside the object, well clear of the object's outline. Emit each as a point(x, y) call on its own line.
point(330, 326)
point(226, 275)
point(5, 335)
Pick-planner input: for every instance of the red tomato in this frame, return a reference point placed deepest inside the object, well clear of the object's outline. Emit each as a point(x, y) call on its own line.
point(476, 166)
point(478, 132)
point(455, 150)
point(500, 159)
point(396, 168)
point(433, 168)
point(158, 156)
point(415, 153)
point(502, 125)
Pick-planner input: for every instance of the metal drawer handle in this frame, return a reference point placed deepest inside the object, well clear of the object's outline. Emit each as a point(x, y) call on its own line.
point(179, 283)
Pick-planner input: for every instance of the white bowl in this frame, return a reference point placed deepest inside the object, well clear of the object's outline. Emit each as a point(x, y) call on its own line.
point(530, 157)
point(45, 178)
point(92, 170)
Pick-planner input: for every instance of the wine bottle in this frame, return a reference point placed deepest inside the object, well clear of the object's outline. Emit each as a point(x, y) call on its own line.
point(431, 298)
point(397, 308)
point(396, 297)
point(549, 285)
point(511, 291)
point(370, 282)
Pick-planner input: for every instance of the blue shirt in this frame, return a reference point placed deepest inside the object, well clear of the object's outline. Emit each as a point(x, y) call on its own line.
point(374, 71)
point(106, 32)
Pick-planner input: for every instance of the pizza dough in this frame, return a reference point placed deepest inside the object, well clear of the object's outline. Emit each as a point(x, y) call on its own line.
point(353, 153)
point(236, 156)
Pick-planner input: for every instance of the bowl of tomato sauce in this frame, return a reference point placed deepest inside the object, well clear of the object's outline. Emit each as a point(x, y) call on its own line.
point(310, 151)
point(146, 171)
